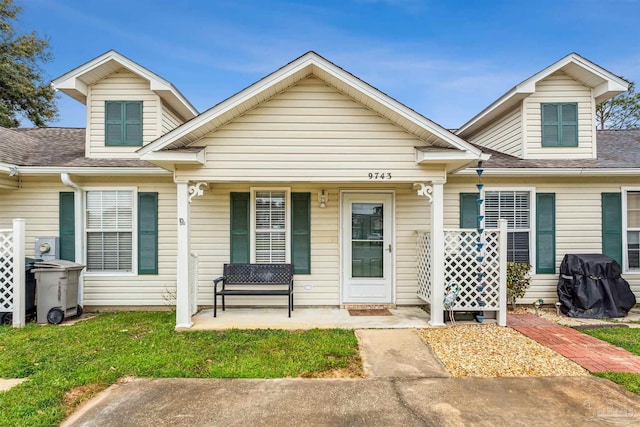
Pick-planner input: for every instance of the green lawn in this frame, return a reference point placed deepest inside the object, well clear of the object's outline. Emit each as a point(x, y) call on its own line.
point(66, 365)
point(627, 338)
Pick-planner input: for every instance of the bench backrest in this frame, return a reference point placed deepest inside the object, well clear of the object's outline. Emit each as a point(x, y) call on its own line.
point(258, 274)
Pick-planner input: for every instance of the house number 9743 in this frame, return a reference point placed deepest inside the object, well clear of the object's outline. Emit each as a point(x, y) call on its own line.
point(379, 175)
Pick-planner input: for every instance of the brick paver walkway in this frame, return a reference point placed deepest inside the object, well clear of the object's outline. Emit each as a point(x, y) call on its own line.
point(589, 352)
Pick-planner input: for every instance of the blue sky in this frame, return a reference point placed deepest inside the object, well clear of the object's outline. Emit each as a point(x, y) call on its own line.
point(445, 59)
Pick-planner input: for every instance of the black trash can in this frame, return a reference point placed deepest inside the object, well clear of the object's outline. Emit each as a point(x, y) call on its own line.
point(590, 286)
point(6, 318)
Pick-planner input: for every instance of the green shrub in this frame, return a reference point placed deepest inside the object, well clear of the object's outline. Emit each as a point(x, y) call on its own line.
point(518, 280)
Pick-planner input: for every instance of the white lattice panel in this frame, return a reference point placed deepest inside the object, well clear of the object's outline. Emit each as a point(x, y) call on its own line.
point(6, 270)
point(424, 265)
point(464, 260)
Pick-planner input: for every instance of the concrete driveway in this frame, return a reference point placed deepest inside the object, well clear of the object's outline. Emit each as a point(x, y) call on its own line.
point(569, 401)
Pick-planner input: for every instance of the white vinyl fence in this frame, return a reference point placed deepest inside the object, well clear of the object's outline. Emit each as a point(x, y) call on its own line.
point(478, 270)
point(12, 285)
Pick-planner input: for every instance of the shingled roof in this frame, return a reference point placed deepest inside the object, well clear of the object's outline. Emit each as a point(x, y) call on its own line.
point(65, 147)
point(617, 149)
point(60, 147)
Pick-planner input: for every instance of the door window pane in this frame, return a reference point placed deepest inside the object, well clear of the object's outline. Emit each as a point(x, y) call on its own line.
point(367, 234)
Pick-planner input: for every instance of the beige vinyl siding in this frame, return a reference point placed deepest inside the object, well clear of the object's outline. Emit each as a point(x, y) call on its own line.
point(210, 240)
point(559, 87)
point(8, 183)
point(504, 135)
point(101, 289)
point(121, 86)
point(310, 132)
point(578, 219)
point(170, 120)
point(37, 203)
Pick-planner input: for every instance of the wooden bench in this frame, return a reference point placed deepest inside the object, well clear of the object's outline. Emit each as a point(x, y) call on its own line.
point(254, 279)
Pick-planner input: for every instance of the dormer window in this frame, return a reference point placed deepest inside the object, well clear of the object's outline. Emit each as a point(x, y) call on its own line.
point(123, 123)
point(560, 125)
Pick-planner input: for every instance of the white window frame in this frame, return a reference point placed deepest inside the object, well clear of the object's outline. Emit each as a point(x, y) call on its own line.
point(287, 213)
point(532, 219)
point(134, 231)
point(625, 254)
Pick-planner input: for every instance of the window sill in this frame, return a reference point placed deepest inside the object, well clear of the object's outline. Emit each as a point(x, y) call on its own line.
point(110, 274)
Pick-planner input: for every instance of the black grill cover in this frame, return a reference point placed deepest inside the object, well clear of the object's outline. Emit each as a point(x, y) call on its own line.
point(591, 286)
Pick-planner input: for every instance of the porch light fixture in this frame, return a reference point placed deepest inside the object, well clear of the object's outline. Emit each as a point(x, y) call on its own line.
point(323, 198)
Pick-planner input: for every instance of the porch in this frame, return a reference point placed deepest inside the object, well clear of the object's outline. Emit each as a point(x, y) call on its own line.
point(308, 318)
point(433, 263)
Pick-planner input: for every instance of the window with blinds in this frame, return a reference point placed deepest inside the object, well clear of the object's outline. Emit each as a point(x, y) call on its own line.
point(515, 207)
point(270, 227)
point(633, 230)
point(109, 221)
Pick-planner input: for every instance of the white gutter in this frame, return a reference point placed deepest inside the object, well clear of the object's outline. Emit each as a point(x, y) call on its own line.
point(78, 211)
point(555, 171)
point(66, 180)
point(53, 170)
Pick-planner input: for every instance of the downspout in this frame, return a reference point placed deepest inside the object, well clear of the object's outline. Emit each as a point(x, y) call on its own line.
point(78, 208)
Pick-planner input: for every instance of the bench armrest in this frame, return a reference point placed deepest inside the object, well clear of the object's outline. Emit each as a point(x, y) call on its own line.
point(218, 280)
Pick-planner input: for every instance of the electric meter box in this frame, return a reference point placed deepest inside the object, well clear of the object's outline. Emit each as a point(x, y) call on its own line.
point(47, 248)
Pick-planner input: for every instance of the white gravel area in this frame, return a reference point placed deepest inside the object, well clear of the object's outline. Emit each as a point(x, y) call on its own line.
point(496, 351)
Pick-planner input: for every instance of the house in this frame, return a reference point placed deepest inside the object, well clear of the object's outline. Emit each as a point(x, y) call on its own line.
point(315, 167)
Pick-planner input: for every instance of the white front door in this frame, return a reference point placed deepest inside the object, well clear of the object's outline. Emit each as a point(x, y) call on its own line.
point(367, 248)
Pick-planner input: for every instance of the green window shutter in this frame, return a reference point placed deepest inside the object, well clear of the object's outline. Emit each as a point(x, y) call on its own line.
point(132, 123)
point(569, 121)
point(612, 225)
point(240, 228)
point(123, 123)
point(67, 226)
point(113, 123)
point(147, 233)
point(550, 125)
point(546, 233)
point(301, 232)
point(469, 210)
point(559, 125)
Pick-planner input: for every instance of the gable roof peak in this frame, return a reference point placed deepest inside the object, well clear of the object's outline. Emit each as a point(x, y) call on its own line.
point(604, 83)
point(76, 82)
point(308, 64)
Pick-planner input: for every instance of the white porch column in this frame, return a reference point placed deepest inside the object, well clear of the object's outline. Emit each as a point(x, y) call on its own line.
point(19, 291)
point(183, 293)
point(502, 289)
point(437, 251)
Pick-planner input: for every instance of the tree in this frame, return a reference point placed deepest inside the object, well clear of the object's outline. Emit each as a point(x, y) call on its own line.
point(24, 92)
point(620, 112)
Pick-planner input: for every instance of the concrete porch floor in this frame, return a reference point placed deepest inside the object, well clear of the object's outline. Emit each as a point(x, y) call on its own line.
point(307, 318)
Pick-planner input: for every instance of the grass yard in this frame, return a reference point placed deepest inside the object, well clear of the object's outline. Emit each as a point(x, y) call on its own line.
point(627, 338)
point(67, 365)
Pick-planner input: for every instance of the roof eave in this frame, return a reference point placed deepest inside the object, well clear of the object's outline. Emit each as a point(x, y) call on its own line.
point(168, 159)
point(9, 177)
point(90, 170)
point(554, 172)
